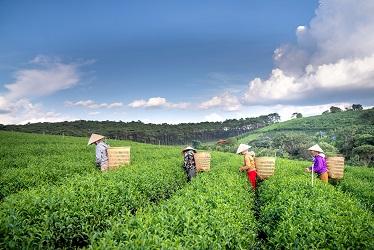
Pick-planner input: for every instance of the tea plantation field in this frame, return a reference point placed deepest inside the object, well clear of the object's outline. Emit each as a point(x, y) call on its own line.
point(52, 197)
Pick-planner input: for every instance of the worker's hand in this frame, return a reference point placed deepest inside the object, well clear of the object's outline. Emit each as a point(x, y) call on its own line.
point(241, 169)
point(307, 170)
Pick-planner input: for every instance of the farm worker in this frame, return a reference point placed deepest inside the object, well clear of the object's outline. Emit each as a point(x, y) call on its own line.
point(249, 163)
point(319, 163)
point(101, 151)
point(189, 164)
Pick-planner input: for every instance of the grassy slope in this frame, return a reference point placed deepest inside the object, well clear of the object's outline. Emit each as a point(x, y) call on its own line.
point(201, 215)
point(295, 215)
point(31, 160)
point(65, 210)
point(313, 124)
point(93, 215)
point(358, 183)
point(68, 213)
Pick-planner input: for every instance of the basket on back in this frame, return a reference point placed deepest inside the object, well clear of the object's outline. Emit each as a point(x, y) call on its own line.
point(202, 160)
point(118, 156)
point(335, 166)
point(265, 166)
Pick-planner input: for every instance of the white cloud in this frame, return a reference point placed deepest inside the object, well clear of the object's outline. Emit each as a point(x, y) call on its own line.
point(182, 105)
point(43, 77)
point(344, 75)
point(333, 57)
point(214, 117)
point(216, 101)
point(226, 101)
point(300, 30)
point(94, 113)
point(44, 60)
point(93, 105)
point(158, 102)
point(23, 111)
point(342, 29)
point(151, 102)
point(115, 105)
point(138, 104)
point(277, 87)
point(286, 111)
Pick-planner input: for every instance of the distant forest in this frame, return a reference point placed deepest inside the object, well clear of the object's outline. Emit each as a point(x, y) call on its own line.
point(165, 134)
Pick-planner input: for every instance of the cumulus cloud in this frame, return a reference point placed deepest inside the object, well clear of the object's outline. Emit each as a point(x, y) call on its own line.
point(94, 113)
point(214, 117)
point(158, 102)
point(44, 76)
point(23, 111)
point(151, 102)
point(333, 58)
point(226, 101)
point(93, 105)
point(300, 29)
point(181, 105)
point(317, 84)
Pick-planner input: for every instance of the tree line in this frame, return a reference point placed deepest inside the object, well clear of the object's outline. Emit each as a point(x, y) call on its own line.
point(165, 134)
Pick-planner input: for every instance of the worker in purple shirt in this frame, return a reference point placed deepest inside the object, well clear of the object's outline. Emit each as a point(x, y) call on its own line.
point(319, 163)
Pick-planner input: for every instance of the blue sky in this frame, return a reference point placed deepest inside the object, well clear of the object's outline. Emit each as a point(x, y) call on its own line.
point(176, 61)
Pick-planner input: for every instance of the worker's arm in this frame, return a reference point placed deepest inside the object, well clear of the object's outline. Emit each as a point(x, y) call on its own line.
point(247, 161)
point(98, 155)
point(317, 165)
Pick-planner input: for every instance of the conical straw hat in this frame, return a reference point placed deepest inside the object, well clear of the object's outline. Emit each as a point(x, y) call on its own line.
point(94, 138)
point(316, 148)
point(189, 148)
point(242, 147)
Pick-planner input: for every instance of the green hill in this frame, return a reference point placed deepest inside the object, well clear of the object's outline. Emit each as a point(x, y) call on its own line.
point(361, 120)
point(350, 133)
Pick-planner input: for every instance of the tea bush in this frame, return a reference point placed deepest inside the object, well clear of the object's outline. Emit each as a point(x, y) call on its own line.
point(214, 212)
point(66, 215)
point(294, 214)
point(54, 198)
point(358, 181)
point(30, 160)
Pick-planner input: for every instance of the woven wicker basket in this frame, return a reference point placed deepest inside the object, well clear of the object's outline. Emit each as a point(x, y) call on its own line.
point(118, 156)
point(202, 160)
point(335, 166)
point(265, 166)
